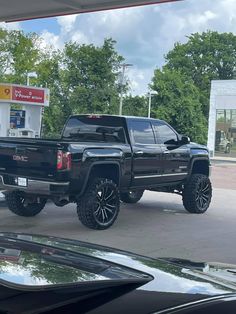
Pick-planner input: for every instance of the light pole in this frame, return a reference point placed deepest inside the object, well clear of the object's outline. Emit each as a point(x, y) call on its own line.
point(122, 83)
point(150, 94)
point(29, 75)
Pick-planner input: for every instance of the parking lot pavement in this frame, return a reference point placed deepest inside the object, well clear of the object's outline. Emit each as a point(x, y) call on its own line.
point(157, 226)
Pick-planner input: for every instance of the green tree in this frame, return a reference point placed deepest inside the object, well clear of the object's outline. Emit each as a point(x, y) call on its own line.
point(178, 103)
point(205, 57)
point(135, 106)
point(19, 54)
point(81, 78)
point(90, 77)
point(50, 75)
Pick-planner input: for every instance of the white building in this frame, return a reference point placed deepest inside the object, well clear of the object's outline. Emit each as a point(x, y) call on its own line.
point(222, 102)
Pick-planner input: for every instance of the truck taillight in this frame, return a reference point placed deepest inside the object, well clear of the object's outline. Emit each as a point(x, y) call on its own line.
point(63, 160)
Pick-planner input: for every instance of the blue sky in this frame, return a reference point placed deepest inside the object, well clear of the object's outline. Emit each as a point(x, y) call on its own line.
point(143, 34)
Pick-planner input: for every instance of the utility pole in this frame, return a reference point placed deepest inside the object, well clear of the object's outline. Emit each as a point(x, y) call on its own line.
point(122, 83)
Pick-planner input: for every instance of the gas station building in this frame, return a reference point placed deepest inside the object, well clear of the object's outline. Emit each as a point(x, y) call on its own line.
point(21, 110)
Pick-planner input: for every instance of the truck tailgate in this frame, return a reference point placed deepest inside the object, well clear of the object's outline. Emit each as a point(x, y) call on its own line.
point(28, 158)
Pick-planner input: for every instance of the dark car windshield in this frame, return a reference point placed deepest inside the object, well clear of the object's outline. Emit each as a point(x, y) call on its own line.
point(94, 129)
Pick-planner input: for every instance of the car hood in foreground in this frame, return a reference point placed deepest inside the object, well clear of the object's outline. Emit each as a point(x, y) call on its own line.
point(168, 274)
point(41, 263)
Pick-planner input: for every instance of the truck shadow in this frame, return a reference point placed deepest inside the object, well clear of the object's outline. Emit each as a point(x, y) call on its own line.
point(161, 207)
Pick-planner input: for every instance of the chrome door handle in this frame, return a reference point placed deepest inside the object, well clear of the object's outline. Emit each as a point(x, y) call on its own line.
point(139, 152)
point(166, 152)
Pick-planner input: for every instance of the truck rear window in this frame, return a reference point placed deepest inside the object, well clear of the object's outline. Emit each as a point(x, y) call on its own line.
point(95, 129)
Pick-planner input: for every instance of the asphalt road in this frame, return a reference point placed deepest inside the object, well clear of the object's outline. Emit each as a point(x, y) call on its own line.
point(157, 226)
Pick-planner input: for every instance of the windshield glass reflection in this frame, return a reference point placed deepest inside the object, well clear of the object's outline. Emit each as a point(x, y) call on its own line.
point(168, 277)
point(26, 268)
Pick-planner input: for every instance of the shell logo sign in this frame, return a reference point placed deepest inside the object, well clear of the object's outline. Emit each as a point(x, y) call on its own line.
point(19, 94)
point(5, 92)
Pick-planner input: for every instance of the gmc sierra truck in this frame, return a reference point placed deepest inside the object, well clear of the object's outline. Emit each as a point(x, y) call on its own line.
point(100, 160)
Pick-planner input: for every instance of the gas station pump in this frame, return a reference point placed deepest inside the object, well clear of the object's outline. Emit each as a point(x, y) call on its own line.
point(21, 110)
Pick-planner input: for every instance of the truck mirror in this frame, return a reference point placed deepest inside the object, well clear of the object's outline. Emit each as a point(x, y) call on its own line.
point(185, 140)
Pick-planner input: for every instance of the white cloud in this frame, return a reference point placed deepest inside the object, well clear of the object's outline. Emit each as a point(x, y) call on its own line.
point(51, 40)
point(139, 80)
point(67, 22)
point(145, 34)
point(80, 38)
point(10, 26)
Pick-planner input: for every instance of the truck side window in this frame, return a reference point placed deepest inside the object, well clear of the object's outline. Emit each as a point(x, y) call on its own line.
point(164, 133)
point(142, 132)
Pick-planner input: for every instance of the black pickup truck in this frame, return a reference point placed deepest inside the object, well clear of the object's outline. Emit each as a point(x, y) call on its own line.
point(100, 160)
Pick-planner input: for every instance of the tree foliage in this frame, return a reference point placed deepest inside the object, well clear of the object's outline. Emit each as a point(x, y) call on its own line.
point(178, 103)
point(135, 106)
point(205, 57)
point(90, 75)
point(19, 54)
point(81, 78)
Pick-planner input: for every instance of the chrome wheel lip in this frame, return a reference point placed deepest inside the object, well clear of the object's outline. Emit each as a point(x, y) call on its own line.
point(105, 207)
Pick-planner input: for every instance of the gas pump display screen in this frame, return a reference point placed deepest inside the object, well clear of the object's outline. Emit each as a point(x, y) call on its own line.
point(17, 119)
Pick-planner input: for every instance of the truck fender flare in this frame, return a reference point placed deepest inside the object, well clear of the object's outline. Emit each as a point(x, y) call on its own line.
point(96, 163)
point(193, 161)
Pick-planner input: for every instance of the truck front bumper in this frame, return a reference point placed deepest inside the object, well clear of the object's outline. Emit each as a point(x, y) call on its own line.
point(34, 186)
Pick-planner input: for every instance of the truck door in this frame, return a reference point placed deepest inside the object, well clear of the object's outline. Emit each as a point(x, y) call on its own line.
point(146, 154)
point(176, 157)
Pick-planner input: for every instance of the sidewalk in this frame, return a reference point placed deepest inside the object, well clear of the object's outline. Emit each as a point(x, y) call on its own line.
point(223, 159)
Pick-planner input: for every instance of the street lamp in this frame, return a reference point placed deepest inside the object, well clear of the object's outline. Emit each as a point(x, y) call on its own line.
point(31, 75)
point(150, 94)
point(122, 83)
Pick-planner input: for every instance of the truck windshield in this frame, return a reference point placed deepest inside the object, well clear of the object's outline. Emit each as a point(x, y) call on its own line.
point(94, 129)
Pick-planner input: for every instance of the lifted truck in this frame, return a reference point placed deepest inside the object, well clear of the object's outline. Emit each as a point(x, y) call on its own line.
point(100, 160)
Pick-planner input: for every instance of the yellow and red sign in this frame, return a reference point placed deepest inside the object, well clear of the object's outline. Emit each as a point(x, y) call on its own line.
point(19, 94)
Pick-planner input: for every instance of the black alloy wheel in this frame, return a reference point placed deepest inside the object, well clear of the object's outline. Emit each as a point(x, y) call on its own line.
point(106, 204)
point(98, 208)
point(21, 205)
point(197, 194)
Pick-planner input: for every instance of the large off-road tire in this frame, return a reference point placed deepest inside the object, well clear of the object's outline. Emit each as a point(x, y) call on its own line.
point(197, 194)
point(99, 207)
point(131, 197)
point(19, 205)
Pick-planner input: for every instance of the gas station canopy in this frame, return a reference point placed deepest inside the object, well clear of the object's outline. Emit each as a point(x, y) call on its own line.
point(16, 10)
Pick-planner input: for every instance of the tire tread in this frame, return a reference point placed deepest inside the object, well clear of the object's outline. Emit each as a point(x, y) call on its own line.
point(189, 193)
point(15, 205)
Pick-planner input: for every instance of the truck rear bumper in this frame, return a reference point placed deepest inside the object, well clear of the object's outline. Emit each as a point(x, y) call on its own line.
point(36, 187)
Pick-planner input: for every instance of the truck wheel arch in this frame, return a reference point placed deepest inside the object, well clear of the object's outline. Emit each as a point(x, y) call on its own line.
point(109, 170)
point(200, 166)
